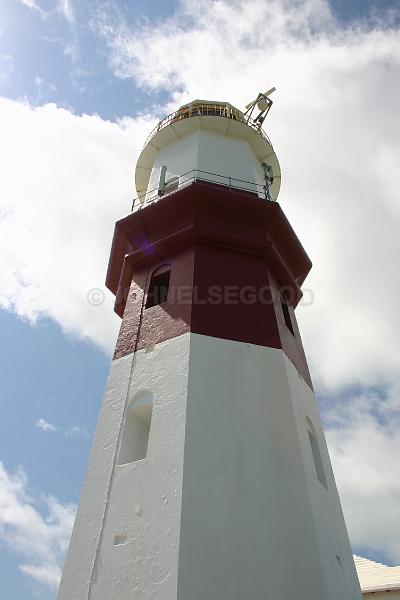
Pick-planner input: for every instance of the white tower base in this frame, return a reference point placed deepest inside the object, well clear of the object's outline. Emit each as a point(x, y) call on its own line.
point(235, 499)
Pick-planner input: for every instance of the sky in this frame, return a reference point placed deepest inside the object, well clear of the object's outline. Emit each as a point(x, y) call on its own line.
point(81, 86)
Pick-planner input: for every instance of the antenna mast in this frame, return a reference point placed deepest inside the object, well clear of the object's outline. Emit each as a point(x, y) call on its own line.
point(263, 103)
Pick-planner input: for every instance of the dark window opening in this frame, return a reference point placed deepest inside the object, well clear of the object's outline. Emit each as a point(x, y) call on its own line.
point(158, 289)
point(287, 317)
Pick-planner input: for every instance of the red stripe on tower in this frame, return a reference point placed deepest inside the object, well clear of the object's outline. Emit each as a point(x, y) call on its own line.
point(235, 268)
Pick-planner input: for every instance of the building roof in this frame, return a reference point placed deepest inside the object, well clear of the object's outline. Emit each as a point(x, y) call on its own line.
point(376, 577)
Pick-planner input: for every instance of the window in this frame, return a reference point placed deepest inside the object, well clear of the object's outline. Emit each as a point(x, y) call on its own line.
point(158, 289)
point(287, 317)
point(135, 435)
point(316, 454)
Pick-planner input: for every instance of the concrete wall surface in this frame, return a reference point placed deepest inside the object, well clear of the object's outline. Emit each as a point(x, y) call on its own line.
point(256, 521)
point(125, 540)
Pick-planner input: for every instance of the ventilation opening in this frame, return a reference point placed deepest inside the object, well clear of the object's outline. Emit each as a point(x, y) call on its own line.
point(135, 436)
point(287, 317)
point(158, 289)
point(316, 452)
point(120, 540)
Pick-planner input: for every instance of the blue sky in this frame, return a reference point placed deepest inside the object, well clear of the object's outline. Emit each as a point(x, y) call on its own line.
point(107, 61)
point(47, 376)
point(68, 56)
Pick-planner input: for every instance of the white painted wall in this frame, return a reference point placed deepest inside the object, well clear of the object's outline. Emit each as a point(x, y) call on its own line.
point(227, 504)
point(180, 157)
point(256, 521)
point(212, 152)
point(140, 500)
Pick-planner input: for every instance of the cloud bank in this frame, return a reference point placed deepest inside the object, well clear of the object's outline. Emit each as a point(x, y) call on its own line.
point(364, 444)
point(40, 539)
point(66, 180)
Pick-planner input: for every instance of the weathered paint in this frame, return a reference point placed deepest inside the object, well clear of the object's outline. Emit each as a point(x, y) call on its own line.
point(227, 503)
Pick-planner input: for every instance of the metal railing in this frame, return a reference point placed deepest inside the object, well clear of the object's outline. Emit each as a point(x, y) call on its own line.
point(205, 176)
point(208, 110)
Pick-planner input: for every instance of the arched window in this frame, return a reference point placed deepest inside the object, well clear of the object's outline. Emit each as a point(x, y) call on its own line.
point(159, 286)
point(136, 429)
point(316, 454)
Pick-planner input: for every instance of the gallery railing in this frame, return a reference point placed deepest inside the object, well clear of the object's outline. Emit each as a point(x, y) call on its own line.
point(177, 183)
point(207, 109)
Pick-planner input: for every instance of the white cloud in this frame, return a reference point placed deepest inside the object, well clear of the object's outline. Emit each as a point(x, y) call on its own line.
point(59, 7)
point(29, 3)
point(364, 442)
point(66, 179)
point(45, 425)
point(71, 432)
point(65, 7)
point(33, 5)
point(44, 574)
point(76, 431)
point(40, 539)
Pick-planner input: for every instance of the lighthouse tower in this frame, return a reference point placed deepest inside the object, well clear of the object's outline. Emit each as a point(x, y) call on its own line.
point(209, 477)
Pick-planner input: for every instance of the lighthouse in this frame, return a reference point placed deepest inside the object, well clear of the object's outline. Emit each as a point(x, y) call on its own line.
point(209, 476)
